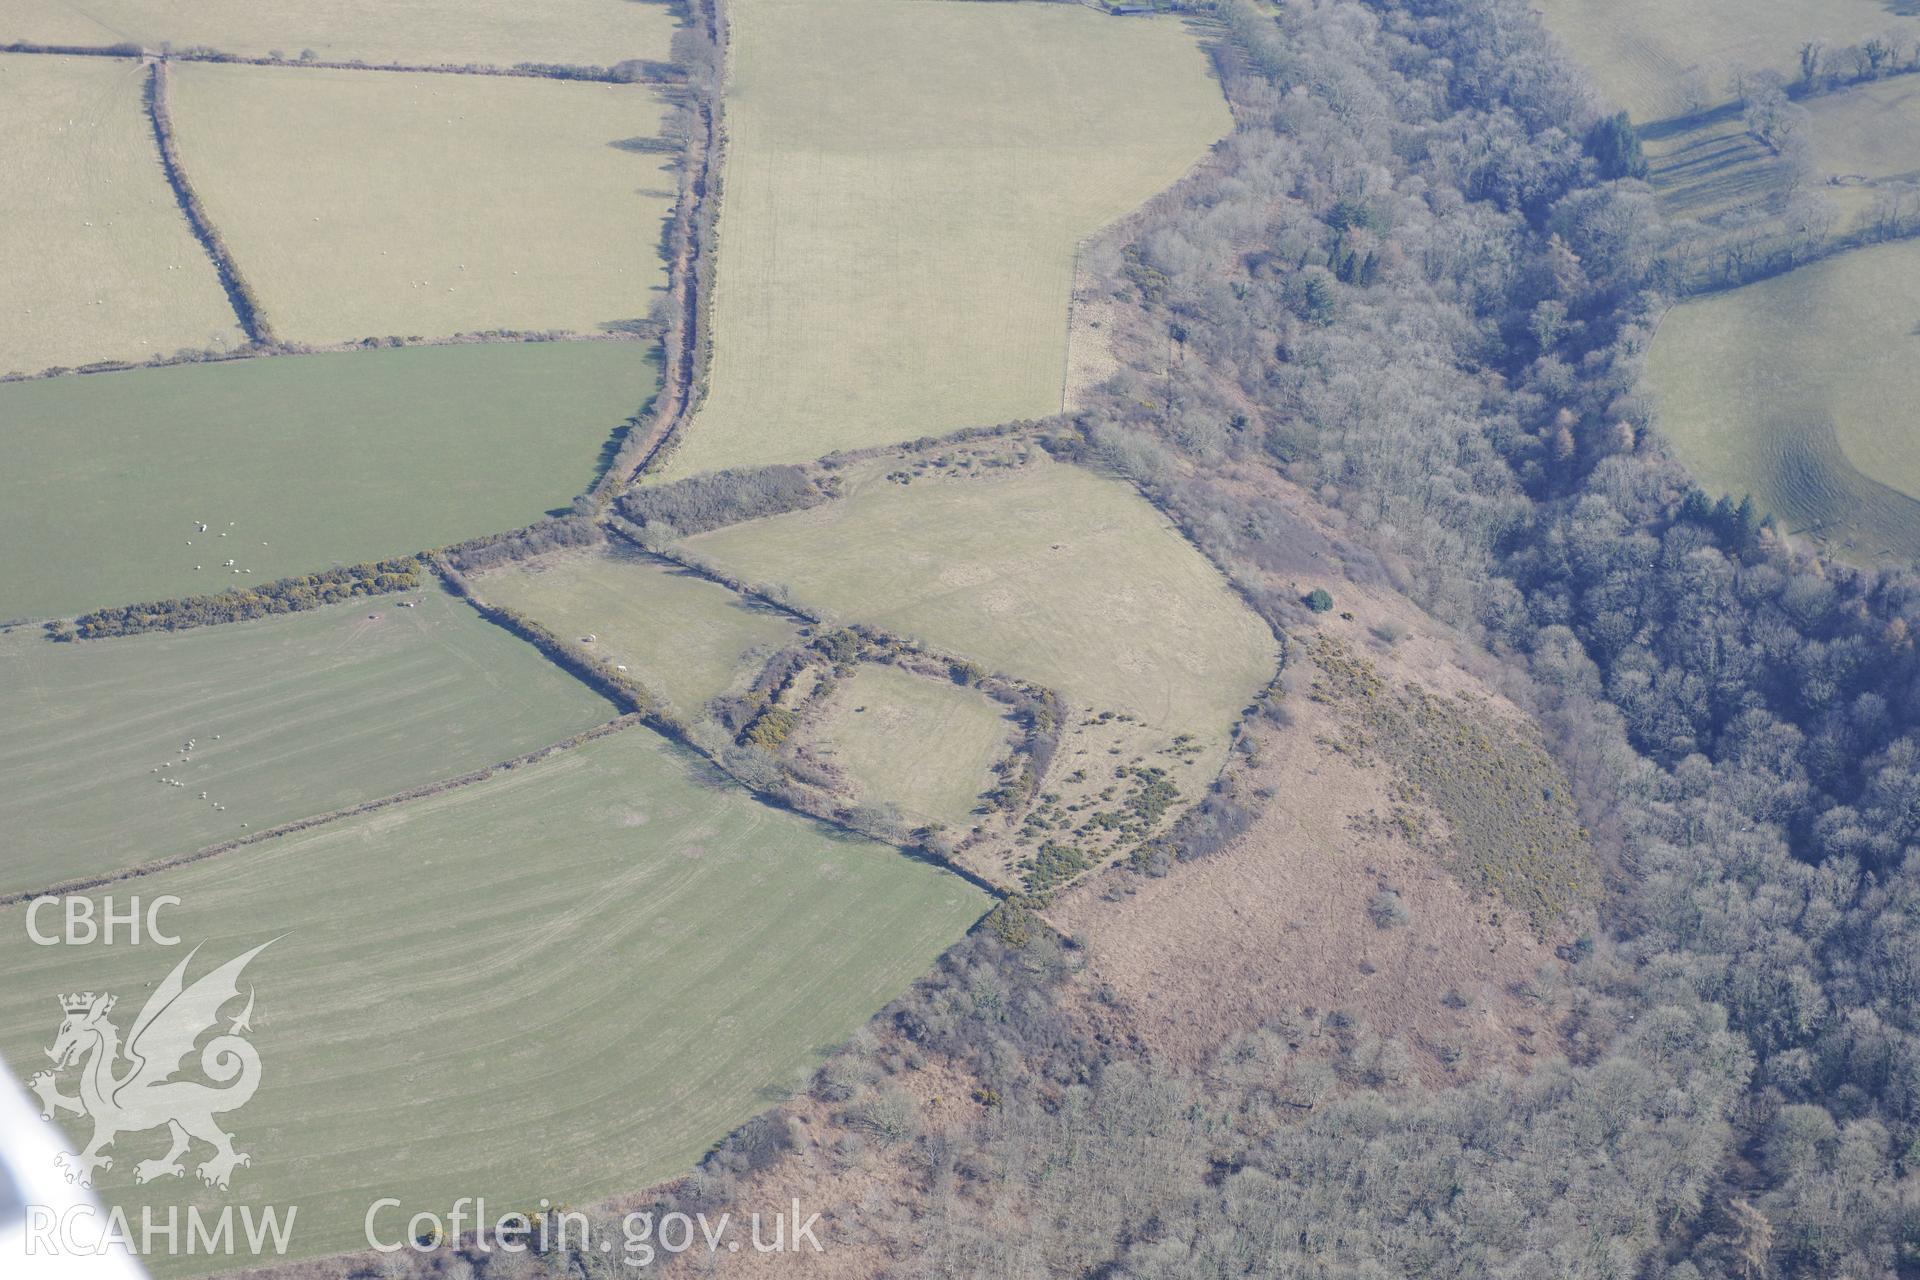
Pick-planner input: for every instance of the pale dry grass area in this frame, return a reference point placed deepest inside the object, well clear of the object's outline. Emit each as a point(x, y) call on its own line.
point(484, 32)
point(96, 259)
point(1043, 570)
point(906, 184)
point(1278, 921)
point(367, 204)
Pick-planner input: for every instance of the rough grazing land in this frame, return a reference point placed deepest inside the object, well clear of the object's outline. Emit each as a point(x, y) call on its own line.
point(1799, 390)
point(305, 461)
point(680, 635)
point(906, 183)
point(1639, 51)
point(608, 949)
point(486, 32)
point(96, 259)
point(1288, 916)
point(921, 743)
point(314, 712)
point(365, 203)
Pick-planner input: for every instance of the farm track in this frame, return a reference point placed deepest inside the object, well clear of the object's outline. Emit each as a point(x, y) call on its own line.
point(468, 779)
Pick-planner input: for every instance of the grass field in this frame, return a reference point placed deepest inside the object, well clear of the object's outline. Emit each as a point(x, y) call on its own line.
point(315, 712)
point(99, 263)
point(431, 32)
point(1870, 131)
point(1639, 51)
point(925, 745)
point(366, 203)
point(681, 635)
point(906, 183)
point(311, 460)
point(564, 982)
point(1799, 389)
point(1050, 573)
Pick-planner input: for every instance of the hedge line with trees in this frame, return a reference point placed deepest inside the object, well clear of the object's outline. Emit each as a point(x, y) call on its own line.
point(288, 595)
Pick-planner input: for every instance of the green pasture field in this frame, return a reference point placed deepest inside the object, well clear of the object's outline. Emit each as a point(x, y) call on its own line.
point(1799, 390)
point(96, 259)
point(305, 461)
point(314, 712)
point(368, 203)
point(906, 183)
point(679, 634)
point(1640, 51)
point(924, 744)
point(1048, 572)
point(419, 32)
point(564, 982)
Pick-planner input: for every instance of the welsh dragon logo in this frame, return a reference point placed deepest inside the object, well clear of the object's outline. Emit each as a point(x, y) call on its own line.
point(143, 1094)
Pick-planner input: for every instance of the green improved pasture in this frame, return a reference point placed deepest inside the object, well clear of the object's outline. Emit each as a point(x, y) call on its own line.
point(96, 259)
point(1800, 391)
point(431, 32)
point(906, 183)
point(925, 745)
point(314, 712)
point(366, 203)
point(304, 461)
point(1048, 572)
point(682, 636)
point(1642, 51)
point(564, 982)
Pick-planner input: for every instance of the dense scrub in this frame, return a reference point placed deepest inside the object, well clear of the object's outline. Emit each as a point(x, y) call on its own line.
point(496, 549)
point(288, 595)
point(718, 498)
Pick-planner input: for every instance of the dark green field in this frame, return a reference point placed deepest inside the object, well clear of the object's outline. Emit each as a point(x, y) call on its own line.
point(302, 461)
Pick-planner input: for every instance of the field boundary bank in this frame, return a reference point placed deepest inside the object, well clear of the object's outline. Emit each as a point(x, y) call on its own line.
point(390, 342)
point(1772, 264)
point(240, 294)
point(617, 725)
point(649, 72)
point(685, 344)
